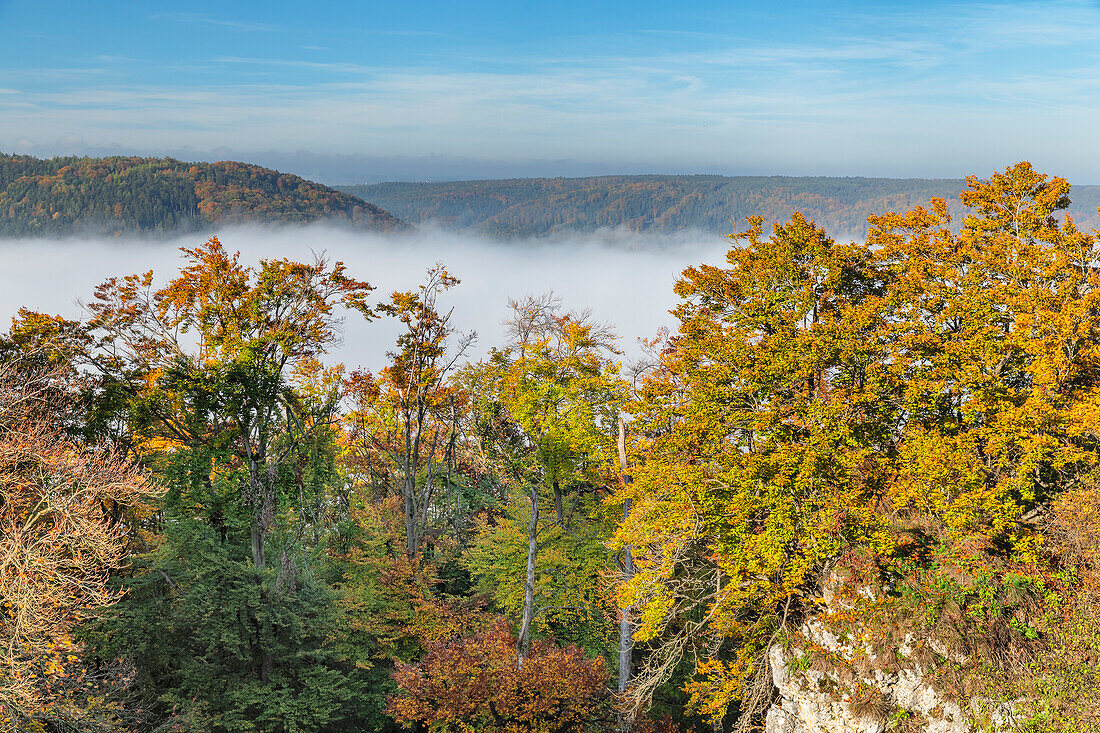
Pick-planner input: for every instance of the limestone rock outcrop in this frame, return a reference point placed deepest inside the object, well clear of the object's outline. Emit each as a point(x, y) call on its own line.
point(816, 700)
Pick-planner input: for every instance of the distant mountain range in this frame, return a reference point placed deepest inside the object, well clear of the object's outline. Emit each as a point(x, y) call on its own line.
point(541, 206)
point(142, 195)
point(119, 195)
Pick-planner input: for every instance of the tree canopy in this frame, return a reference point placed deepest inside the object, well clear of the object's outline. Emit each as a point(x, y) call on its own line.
point(854, 459)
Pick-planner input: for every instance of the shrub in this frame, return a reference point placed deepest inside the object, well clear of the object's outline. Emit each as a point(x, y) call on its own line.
point(475, 684)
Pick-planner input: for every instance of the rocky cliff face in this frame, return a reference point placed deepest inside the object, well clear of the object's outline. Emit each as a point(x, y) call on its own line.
point(804, 708)
point(896, 696)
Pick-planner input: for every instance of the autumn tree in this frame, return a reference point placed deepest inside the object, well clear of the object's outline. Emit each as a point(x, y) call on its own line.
point(250, 328)
point(910, 402)
point(225, 397)
point(404, 423)
point(559, 391)
point(63, 508)
point(473, 683)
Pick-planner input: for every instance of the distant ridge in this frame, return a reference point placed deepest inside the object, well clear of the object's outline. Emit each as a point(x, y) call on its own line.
point(118, 195)
point(540, 206)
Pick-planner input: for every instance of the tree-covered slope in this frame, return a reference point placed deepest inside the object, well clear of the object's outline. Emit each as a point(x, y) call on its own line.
point(539, 206)
point(120, 194)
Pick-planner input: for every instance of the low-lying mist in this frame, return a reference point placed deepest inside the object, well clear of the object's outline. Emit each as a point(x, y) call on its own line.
point(625, 278)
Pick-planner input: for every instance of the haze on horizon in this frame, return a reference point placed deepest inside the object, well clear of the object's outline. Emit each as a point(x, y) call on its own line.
point(353, 92)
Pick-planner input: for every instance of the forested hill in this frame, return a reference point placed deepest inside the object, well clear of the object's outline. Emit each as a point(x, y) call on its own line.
point(540, 206)
point(121, 195)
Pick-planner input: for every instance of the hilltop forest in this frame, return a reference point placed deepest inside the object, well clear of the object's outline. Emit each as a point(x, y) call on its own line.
point(858, 478)
point(142, 195)
point(541, 206)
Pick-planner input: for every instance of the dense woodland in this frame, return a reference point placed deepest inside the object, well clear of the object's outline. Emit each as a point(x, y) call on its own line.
point(142, 195)
point(209, 527)
point(541, 206)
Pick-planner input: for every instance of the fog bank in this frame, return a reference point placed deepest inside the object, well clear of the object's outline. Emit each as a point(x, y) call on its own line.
point(624, 277)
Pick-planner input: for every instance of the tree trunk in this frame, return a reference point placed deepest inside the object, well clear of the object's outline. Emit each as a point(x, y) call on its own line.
point(412, 540)
point(262, 489)
point(524, 640)
point(460, 522)
point(266, 663)
point(558, 503)
point(257, 544)
point(626, 625)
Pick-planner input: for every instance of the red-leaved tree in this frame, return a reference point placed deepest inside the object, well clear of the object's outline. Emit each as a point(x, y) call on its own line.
point(474, 684)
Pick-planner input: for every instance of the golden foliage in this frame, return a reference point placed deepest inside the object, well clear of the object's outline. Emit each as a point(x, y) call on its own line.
point(917, 397)
point(63, 509)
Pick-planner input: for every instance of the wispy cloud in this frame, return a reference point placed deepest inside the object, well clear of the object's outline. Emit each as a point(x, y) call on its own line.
point(237, 25)
point(400, 33)
point(1030, 24)
point(330, 67)
point(942, 90)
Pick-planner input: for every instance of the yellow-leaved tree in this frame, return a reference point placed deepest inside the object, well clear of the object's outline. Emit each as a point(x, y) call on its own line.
point(897, 412)
point(556, 392)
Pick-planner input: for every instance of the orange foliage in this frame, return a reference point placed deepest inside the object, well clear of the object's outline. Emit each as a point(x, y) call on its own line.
point(61, 534)
point(474, 684)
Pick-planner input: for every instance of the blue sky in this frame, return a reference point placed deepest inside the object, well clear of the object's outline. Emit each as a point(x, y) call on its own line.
point(348, 91)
